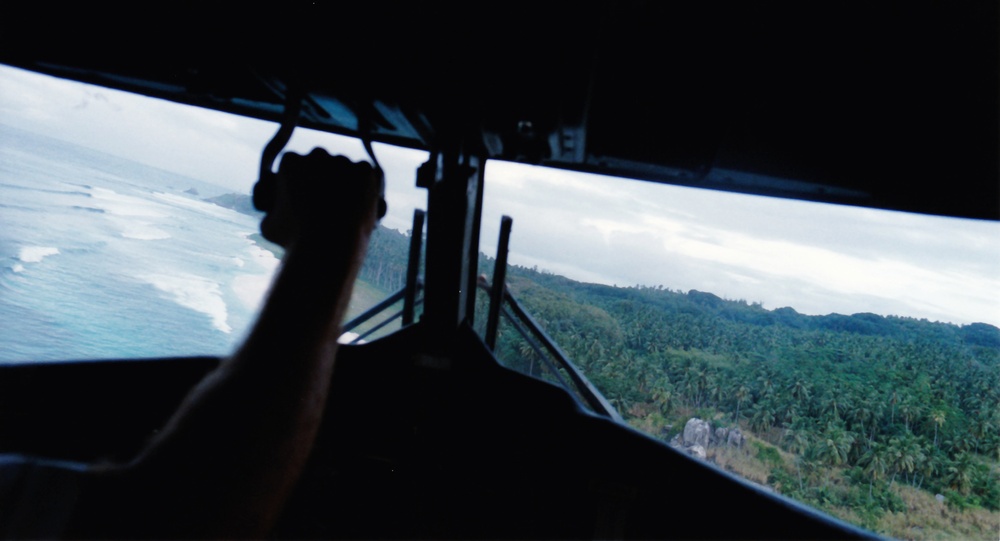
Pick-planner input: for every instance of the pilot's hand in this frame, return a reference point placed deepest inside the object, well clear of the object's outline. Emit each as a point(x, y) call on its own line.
point(319, 196)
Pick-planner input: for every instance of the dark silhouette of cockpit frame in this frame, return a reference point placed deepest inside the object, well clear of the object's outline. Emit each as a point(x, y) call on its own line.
point(426, 436)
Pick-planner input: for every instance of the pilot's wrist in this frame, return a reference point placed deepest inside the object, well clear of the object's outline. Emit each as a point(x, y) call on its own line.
point(340, 243)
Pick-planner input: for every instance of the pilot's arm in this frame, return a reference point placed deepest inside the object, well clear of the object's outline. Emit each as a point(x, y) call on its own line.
point(227, 460)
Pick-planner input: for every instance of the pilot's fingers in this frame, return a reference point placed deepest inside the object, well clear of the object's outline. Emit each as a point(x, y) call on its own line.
point(320, 193)
point(319, 179)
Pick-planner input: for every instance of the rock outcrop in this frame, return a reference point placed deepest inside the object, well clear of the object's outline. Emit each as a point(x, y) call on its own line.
point(736, 438)
point(697, 432)
point(698, 436)
point(720, 436)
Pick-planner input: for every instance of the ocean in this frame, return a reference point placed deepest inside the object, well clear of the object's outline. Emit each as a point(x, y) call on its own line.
point(102, 258)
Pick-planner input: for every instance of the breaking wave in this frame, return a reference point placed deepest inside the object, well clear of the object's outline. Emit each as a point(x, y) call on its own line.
point(194, 292)
point(35, 254)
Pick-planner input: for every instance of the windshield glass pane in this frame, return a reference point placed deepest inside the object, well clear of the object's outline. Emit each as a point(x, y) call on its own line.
point(845, 357)
point(127, 227)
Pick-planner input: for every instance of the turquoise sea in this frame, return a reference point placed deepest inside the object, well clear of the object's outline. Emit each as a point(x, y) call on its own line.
point(102, 257)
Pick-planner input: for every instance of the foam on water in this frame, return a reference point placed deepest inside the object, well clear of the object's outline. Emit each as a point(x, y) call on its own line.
point(118, 204)
point(35, 254)
point(195, 292)
point(264, 258)
point(251, 288)
point(143, 270)
point(202, 207)
point(142, 231)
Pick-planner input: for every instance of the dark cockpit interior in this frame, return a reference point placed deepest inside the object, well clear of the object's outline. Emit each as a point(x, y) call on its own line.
point(877, 105)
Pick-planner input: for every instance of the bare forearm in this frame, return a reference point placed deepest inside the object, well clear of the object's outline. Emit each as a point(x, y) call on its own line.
point(226, 461)
point(228, 458)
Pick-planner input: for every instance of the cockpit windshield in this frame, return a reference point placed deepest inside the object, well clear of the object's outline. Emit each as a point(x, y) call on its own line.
point(128, 229)
point(846, 357)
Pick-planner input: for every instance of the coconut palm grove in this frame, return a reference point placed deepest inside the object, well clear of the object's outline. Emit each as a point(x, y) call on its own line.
point(892, 423)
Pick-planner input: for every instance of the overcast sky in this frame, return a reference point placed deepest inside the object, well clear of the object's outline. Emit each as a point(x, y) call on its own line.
point(813, 257)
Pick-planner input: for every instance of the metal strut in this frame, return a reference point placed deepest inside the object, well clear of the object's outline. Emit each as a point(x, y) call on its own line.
point(499, 283)
point(264, 189)
point(413, 267)
point(365, 129)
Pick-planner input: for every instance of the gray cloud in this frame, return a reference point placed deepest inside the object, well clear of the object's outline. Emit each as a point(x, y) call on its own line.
point(813, 257)
point(816, 258)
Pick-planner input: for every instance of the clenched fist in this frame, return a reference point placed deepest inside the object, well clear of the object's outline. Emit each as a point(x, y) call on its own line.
point(319, 196)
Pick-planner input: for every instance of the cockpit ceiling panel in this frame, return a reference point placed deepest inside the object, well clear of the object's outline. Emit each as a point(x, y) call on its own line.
point(890, 106)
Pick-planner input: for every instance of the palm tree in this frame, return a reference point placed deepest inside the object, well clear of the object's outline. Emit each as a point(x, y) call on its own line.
point(763, 417)
point(798, 440)
point(800, 390)
point(893, 400)
point(691, 389)
point(931, 464)
point(862, 414)
point(916, 450)
point(878, 410)
point(717, 391)
point(741, 395)
point(985, 425)
point(875, 465)
point(835, 444)
point(527, 353)
point(791, 414)
point(938, 417)
point(663, 395)
point(909, 409)
point(959, 473)
point(832, 406)
point(766, 385)
point(904, 454)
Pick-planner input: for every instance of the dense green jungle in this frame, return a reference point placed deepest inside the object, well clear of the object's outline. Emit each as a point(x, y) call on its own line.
point(864, 416)
point(891, 423)
point(860, 405)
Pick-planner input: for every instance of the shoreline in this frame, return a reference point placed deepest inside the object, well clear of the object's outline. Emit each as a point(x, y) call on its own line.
point(277, 251)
